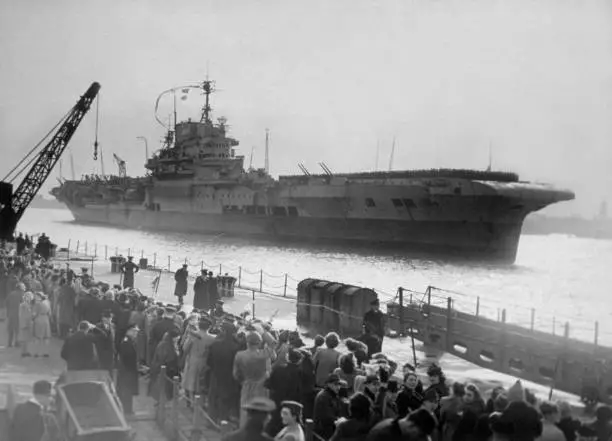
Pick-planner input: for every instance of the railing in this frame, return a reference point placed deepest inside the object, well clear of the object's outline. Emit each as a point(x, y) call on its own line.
point(520, 315)
point(260, 281)
point(181, 417)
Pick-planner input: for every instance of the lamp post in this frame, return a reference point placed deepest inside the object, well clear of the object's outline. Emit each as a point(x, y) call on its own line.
point(146, 147)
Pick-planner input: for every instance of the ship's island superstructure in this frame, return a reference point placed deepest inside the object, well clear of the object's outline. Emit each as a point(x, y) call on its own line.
point(197, 183)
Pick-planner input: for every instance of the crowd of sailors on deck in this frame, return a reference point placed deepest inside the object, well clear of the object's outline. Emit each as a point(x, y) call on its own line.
point(265, 381)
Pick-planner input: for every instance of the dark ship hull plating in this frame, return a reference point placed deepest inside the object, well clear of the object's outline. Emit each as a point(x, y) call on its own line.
point(445, 213)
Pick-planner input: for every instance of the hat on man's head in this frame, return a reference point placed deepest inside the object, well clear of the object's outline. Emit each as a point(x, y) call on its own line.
point(107, 313)
point(375, 302)
point(185, 265)
point(260, 404)
point(219, 302)
point(294, 356)
point(424, 420)
point(42, 387)
point(332, 379)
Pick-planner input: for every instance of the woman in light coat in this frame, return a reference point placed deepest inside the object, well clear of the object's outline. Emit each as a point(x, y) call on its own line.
point(41, 317)
point(25, 323)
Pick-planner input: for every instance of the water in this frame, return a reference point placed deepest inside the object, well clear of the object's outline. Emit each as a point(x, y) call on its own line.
point(563, 278)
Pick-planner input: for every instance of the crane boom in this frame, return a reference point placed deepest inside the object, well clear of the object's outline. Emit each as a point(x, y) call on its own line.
point(48, 157)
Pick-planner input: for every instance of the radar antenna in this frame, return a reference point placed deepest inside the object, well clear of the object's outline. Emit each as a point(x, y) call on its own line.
point(325, 168)
point(392, 155)
point(303, 169)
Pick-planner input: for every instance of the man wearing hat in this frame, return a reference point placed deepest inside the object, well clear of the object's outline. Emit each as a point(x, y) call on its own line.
point(374, 320)
point(285, 384)
point(201, 298)
point(180, 288)
point(128, 269)
point(416, 426)
point(127, 369)
point(104, 338)
point(258, 412)
point(327, 407)
point(30, 419)
point(224, 389)
point(218, 311)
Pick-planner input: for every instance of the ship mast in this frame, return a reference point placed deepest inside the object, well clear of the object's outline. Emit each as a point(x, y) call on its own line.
point(207, 86)
point(267, 159)
point(392, 154)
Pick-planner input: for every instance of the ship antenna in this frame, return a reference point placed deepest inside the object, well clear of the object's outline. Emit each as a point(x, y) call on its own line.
point(377, 154)
point(391, 155)
point(174, 97)
point(267, 159)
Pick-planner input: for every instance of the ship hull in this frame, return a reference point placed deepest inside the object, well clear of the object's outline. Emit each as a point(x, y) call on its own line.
point(495, 242)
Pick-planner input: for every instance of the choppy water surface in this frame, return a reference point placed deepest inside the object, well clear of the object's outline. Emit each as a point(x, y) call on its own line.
point(563, 277)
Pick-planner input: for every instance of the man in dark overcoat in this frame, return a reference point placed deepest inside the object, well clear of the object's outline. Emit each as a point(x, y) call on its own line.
point(27, 423)
point(180, 277)
point(104, 338)
point(127, 370)
point(201, 296)
point(128, 269)
point(224, 392)
point(166, 324)
point(79, 350)
point(374, 319)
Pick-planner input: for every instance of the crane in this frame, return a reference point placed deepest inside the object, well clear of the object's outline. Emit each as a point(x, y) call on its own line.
point(14, 204)
point(121, 164)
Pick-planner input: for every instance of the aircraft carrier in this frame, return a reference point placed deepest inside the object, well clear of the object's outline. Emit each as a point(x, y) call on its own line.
point(198, 183)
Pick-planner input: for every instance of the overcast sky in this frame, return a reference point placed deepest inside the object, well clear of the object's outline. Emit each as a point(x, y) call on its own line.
point(447, 78)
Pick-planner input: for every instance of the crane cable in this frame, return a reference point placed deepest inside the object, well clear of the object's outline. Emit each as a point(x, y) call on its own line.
point(95, 154)
point(7, 178)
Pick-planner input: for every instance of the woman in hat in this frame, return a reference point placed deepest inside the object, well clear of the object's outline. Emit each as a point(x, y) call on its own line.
point(41, 317)
point(291, 414)
point(251, 369)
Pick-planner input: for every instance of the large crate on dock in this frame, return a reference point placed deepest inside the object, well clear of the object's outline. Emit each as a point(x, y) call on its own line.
point(325, 306)
point(116, 263)
point(87, 406)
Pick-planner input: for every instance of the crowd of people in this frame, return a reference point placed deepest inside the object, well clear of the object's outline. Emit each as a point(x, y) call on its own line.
point(267, 382)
